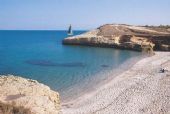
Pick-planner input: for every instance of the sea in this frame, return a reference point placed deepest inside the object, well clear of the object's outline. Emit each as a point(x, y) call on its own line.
point(70, 70)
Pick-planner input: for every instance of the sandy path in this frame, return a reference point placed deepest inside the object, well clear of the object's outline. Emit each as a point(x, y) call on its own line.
point(140, 90)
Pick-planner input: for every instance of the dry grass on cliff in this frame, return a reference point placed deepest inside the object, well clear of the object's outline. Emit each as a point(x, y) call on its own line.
point(13, 109)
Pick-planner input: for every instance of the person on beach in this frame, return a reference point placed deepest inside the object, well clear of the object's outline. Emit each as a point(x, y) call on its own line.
point(162, 70)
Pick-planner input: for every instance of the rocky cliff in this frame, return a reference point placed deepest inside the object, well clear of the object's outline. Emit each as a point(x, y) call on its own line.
point(124, 37)
point(25, 96)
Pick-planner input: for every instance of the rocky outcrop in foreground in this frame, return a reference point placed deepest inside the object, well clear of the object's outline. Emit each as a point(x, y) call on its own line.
point(25, 96)
point(124, 37)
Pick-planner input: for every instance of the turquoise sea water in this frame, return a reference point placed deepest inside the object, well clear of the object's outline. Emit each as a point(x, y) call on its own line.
point(40, 55)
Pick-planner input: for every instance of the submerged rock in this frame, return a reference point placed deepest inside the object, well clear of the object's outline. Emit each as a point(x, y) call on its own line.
point(33, 97)
point(48, 63)
point(124, 37)
point(104, 65)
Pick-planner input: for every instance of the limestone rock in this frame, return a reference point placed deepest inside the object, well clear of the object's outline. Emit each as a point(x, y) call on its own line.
point(29, 94)
point(124, 37)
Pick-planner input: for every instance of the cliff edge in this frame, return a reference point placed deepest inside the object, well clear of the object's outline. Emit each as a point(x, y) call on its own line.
point(25, 96)
point(125, 37)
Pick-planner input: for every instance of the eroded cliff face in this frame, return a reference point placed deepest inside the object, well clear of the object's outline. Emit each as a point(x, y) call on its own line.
point(125, 37)
point(33, 97)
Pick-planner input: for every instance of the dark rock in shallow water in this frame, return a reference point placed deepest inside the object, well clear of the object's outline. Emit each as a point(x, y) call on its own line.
point(104, 65)
point(40, 62)
point(47, 63)
point(76, 64)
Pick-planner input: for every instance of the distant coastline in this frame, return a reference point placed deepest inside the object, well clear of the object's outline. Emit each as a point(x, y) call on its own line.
point(124, 36)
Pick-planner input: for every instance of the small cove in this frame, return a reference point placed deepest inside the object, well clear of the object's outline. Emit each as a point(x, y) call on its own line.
point(40, 55)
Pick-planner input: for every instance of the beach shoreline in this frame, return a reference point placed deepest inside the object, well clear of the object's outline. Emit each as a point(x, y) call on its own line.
point(128, 92)
point(100, 79)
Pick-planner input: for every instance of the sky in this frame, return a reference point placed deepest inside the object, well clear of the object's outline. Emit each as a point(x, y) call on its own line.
point(82, 14)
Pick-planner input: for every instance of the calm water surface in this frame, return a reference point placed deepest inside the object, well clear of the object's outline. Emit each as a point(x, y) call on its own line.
point(40, 55)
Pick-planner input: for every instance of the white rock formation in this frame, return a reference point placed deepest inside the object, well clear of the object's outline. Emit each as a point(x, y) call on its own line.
point(30, 94)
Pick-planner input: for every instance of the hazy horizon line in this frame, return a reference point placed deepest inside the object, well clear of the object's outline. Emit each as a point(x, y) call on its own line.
point(78, 29)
